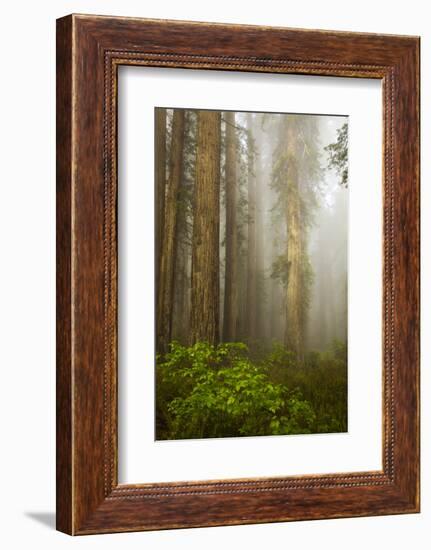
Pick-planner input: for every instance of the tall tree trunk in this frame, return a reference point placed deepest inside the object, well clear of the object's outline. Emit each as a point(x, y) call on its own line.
point(165, 294)
point(181, 313)
point(259, 229)
point(293, 335)
point(230, 316)
point(160, 167)
point(251, 235)
point(204, 315)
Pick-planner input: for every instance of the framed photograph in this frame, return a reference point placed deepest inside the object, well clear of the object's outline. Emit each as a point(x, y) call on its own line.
point(237, 274)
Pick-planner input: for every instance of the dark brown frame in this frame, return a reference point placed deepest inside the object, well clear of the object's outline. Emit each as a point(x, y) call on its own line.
point(89, 50)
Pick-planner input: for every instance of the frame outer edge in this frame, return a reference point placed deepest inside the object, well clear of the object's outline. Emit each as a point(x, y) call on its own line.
point(407, 269)
point(81, 506)
point(64, 367)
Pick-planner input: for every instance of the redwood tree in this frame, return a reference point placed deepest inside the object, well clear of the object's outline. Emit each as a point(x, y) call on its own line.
point(251, 234)
point(294, 333)
point(230, 316)
point(165, 283)
point(160, 168)
point(204, 315)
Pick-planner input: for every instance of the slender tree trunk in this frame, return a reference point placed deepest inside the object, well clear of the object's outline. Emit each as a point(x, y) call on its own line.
point(181, 313)
point(179, 327)
point(165, 294)
point(325, 316)
point(204, 315)
point(241, 333)
point(185, 309)
point(322, 330)
point(274, 299)
point(259, 229)
point(330, 303)
point(293, 335)
point(251, 235)
point(160, 167)
point(275, 309)
point(230, 316)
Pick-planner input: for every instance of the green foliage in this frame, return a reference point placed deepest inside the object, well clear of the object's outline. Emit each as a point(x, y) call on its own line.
point(280, 269)
point(338, 155)
point(308, 163)
point(221, 391)
point(321, 379)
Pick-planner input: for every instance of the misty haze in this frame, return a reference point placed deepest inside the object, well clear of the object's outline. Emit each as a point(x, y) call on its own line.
point(251, 273)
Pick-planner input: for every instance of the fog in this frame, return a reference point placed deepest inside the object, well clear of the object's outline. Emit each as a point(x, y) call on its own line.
point(283, 219)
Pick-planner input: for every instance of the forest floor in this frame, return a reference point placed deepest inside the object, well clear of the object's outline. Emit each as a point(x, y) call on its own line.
point(229, 390)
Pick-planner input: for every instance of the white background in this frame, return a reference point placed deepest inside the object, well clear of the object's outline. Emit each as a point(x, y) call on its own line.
point(141, 458)
point(27, 244)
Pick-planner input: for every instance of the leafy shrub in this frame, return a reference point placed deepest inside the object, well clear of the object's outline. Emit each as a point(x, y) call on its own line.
point(216, 391)
point(321, 379)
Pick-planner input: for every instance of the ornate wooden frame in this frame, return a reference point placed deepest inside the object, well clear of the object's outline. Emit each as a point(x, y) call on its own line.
point(89, 51)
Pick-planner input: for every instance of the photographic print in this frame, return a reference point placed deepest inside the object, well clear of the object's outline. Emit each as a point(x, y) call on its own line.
point(251, 225)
